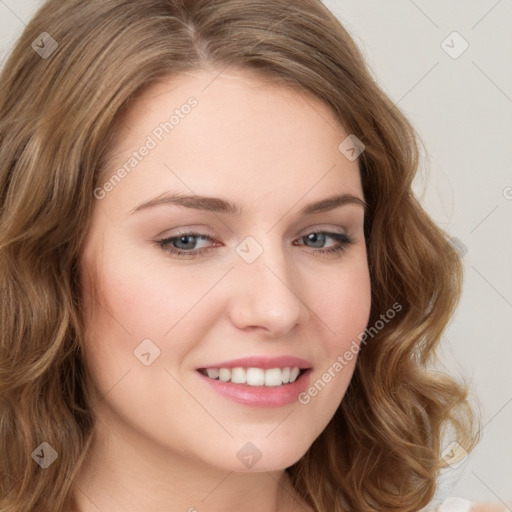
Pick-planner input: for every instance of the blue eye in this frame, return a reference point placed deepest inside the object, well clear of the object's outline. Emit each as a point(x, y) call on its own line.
point(344, 241)
point(186, 240)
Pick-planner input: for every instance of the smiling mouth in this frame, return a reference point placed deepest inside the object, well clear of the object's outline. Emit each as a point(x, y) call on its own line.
point(256, 377)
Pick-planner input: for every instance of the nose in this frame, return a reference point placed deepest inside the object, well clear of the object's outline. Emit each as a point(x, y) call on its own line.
point(267, 295)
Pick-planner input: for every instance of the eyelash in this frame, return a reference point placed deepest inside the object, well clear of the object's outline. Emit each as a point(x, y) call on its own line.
point(344, 242)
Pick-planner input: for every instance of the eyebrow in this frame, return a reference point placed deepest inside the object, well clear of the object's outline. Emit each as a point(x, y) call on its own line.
point(218, 205)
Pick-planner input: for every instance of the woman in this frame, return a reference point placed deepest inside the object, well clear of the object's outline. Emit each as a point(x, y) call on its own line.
point(170, 339)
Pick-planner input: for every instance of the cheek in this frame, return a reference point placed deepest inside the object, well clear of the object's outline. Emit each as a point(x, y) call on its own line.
point(148, 298)
point(141, 299)
point(343, 304)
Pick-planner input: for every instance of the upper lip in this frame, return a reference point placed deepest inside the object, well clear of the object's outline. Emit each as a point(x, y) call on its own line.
point(263, 362)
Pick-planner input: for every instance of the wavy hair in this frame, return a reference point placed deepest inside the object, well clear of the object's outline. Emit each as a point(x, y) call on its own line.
point(58, 116)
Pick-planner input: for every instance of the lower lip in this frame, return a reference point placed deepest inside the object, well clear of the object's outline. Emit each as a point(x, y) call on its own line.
point(260, 396)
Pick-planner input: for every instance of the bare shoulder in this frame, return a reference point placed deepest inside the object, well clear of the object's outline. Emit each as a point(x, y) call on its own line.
point(463, 505)
point(488, 507)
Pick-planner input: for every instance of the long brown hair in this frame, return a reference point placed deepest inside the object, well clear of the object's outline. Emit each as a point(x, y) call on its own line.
point(77, 66)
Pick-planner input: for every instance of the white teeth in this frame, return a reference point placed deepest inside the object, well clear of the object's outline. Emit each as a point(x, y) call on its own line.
point(273, 377)
point(255, 376)
point(238, 375)
point(224, 374)
point(213, 373)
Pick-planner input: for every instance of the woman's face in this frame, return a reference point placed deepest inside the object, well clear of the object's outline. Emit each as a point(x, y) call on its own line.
point(257, 284)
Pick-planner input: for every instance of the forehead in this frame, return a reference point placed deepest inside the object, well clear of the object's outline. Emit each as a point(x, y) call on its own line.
point(242, 134)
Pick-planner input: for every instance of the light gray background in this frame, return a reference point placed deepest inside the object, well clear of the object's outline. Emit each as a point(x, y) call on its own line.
point(462, 109)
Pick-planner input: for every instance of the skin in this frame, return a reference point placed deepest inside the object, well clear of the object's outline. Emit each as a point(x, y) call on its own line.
point(164, 440)
point(488, 507)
